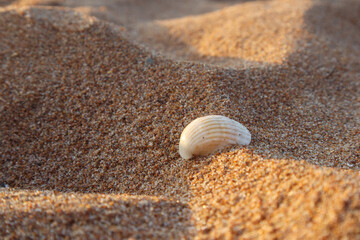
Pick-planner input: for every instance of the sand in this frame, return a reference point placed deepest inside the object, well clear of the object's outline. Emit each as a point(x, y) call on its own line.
point(94, 96)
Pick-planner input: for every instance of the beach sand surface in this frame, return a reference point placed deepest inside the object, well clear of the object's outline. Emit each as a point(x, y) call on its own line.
point(95, 94)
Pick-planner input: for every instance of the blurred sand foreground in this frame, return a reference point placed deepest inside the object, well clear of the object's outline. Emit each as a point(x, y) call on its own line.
point(94, 96)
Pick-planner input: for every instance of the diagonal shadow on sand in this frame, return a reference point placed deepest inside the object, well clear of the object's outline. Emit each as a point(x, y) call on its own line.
point(91, 216)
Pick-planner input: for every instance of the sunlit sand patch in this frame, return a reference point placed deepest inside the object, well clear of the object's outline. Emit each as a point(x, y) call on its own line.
point(254, 32)
point(256, 198)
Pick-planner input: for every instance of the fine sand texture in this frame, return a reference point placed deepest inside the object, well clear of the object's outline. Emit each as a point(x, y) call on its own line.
point(95, 94)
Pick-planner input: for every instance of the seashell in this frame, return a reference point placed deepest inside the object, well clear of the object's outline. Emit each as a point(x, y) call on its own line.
point(207, 134)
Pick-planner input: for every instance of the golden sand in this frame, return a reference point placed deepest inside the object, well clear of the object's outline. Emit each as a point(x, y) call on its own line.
point(91, 112)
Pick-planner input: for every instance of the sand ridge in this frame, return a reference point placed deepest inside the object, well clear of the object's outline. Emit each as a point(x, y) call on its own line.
point(88, 114)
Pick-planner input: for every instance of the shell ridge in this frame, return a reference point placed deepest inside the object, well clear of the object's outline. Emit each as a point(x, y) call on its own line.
point(214, 124)
point(227, 133)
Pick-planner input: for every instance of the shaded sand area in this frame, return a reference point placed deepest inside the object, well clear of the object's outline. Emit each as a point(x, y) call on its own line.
point(94, 96)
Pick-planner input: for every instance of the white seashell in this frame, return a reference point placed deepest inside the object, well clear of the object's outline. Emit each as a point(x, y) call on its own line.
point(207, 134)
